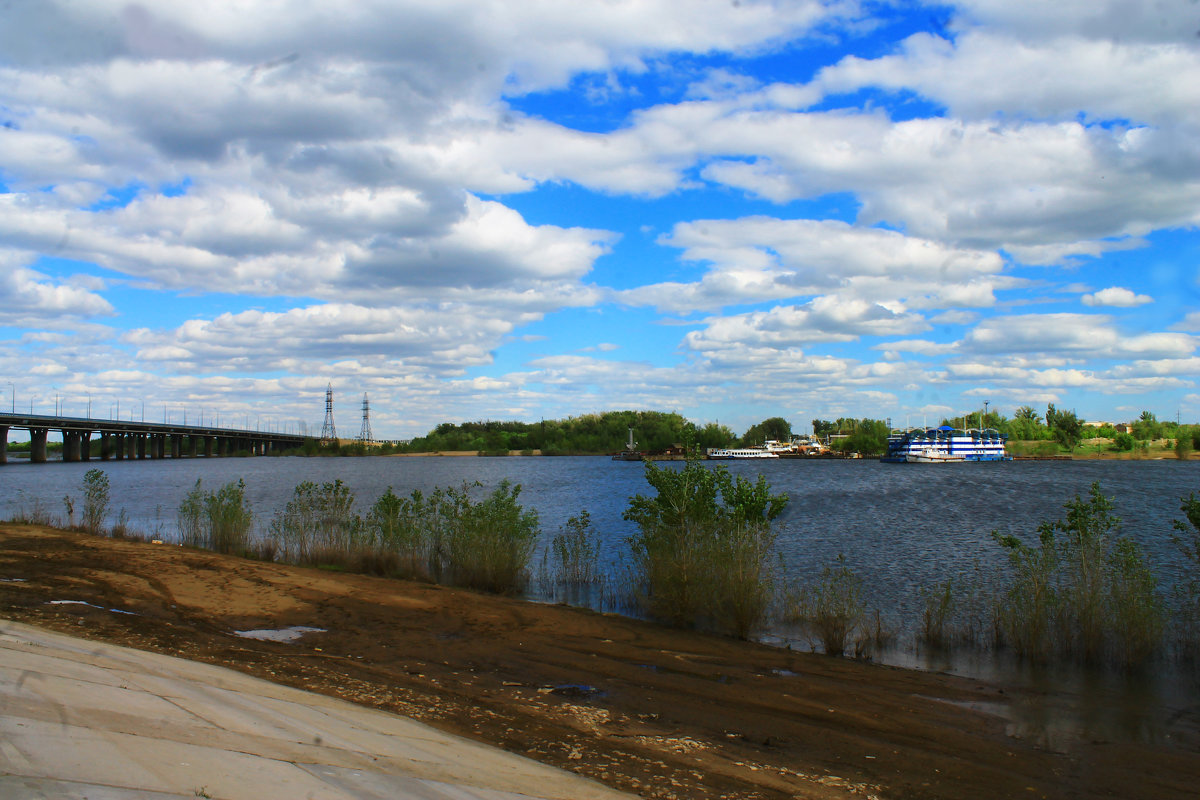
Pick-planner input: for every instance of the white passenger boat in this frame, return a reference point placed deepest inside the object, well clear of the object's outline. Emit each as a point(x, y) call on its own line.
point(945, 445)
point(741, 452)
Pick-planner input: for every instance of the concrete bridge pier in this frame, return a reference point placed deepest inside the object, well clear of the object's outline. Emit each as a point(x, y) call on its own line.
point(193, 446)
point(141, 445)
point(208, 445)
point(70, 446)
point(105, 446)
point(85, 445)
point(3, 444)
point(176, 445)
point(37, 445)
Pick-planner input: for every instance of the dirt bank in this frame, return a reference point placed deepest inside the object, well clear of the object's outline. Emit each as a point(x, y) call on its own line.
point(650, 710)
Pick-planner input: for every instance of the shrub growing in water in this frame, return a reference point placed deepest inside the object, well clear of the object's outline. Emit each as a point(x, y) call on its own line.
point(702, 554)
point(488, 543)
point(95, 500)
point(1082, 590)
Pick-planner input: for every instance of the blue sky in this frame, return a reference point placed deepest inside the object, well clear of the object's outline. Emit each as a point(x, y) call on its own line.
point(731, 210)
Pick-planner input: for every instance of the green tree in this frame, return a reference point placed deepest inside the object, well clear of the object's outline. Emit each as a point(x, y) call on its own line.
point(823, 427)
point(714, 435)
point(1183, 446)
point(1065, 426)
point(776, 428)
point(869, 437)
point(1026, 424)
point(1147, 427)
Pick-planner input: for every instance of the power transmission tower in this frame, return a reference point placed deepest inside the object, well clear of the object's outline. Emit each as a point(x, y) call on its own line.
point(364, 435)
point(328, 430)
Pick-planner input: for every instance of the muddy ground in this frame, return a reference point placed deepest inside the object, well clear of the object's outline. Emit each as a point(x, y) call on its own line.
point(643, 708)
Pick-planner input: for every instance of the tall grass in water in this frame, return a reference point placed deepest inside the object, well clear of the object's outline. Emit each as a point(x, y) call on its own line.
point(1187, 539)
point(937, 607)
point(958, 611)
point(447, 535)
point(570, 567)
point(318, 525)
point(404, 535)
point(576, 552)
point(32, 511)
point(703, 554)
point(220, 521)
point(1082, 590)
point(832, 608)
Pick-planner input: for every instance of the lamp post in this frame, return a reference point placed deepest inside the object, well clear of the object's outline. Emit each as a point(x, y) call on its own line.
point(89, 408)
point(13, 389)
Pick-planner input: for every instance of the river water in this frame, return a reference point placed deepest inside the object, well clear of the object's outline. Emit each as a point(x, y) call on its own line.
point(900, 527)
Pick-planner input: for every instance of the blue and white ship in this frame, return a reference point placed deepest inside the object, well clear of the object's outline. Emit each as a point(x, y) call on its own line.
point(945, 445)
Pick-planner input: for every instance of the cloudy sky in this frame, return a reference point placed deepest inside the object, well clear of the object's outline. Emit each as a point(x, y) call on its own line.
point(517, 209)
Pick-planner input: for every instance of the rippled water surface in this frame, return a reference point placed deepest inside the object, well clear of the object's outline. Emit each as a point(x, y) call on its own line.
point(901, 526)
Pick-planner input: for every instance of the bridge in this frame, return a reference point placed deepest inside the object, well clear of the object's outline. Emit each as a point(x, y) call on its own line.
point(121, 439)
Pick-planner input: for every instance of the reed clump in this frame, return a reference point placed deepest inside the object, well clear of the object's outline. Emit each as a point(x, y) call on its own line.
point(702, 556)
point(1187, 540)
point(446, 536)
point(831, 608)
point(576, 551)
point(220, 521)
point(32, 510)
point(403, 535)
point(1081, 591)
point(318, 526)
point(936, 609)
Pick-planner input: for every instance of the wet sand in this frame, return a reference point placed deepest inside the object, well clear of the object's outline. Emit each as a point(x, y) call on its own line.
point(640, 707)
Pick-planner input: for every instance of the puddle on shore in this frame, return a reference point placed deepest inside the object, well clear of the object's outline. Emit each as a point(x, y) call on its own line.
point(578, 691)
point(279, 634)
point(89, 605)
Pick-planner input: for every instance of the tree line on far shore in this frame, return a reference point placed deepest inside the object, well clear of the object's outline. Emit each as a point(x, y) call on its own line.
point(656, 431)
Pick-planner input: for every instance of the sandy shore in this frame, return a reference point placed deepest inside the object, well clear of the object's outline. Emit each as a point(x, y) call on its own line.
point(642, 708)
